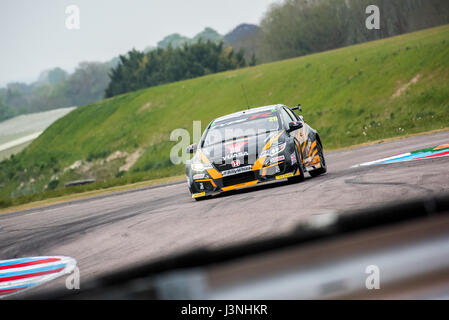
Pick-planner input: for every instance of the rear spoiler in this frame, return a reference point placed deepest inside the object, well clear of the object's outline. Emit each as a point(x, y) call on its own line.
point(298, 107)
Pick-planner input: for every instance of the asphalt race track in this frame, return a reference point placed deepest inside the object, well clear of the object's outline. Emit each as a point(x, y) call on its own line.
point(128, 228)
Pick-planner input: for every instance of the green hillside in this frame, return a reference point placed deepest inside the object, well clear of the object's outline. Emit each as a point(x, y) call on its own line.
point(357, 94)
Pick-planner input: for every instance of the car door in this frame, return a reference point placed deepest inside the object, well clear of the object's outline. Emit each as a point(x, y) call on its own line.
point(298, 135)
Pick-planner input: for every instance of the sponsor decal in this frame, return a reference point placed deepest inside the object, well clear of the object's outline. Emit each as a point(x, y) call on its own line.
point(284, 176)
point(236, 147)
point(197, 195)
point(236, 163)
point(277, 159)
point(261, 115)
point(235, 155)
point(199, 176)
point(236, 171)
point(293, 158)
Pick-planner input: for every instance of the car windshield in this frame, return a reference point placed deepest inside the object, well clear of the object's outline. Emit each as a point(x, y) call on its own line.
point(243, 126)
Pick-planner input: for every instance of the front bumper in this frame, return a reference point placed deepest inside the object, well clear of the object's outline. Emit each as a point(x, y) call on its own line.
point(214, 183)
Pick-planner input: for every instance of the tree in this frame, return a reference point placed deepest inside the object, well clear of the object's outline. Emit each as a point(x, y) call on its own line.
point(138, 70)
point(57, 75)
point(298, 27)
point(87, 83)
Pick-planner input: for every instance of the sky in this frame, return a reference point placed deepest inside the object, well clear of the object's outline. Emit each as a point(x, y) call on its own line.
point(34, 36)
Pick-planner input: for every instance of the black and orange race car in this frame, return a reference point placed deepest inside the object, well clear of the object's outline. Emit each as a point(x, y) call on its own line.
point(251, 147)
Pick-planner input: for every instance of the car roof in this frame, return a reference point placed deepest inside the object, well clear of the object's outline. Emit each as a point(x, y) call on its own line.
point(250, 111)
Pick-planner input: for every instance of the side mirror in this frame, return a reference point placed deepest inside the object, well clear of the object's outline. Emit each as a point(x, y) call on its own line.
point(294, 125)
point(192, 148)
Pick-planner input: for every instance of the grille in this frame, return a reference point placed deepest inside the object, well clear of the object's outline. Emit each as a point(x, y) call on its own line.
point(228, 165)
point(223, 167)
point(239, 178)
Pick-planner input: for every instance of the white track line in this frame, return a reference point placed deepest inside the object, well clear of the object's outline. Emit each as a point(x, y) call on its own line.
point(381, 160)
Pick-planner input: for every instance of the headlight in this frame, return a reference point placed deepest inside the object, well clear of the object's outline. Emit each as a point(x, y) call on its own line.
point(199, 166)
point(274, 150)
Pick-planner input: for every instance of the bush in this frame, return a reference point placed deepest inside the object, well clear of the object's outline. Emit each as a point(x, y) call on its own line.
point(97, 155)
point(53, 184)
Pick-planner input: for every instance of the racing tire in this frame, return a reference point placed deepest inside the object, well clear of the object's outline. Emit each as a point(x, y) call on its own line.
point(323, 168)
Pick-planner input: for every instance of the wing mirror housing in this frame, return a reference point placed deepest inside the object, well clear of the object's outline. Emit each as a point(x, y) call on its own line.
point(192, 148)
point(294, 125)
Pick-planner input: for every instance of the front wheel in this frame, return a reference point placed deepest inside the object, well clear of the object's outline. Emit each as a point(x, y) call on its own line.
point(323, 168)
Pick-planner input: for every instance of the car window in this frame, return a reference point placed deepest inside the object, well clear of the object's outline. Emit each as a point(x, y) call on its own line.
point(242, 126)
point(293, 115)
point(286, 119)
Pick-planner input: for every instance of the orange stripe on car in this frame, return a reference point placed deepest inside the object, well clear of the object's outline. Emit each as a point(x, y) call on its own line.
point(311, 160)
point(274, 164)
point(204, 159)
point(264, 171)
point(312, 147)
point(316, 160)
point(273, 139)
point(240, 185)
point(259, 163)
point(212, 172)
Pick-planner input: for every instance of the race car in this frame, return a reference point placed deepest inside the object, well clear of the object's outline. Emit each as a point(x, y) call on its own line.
point(253, 146)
